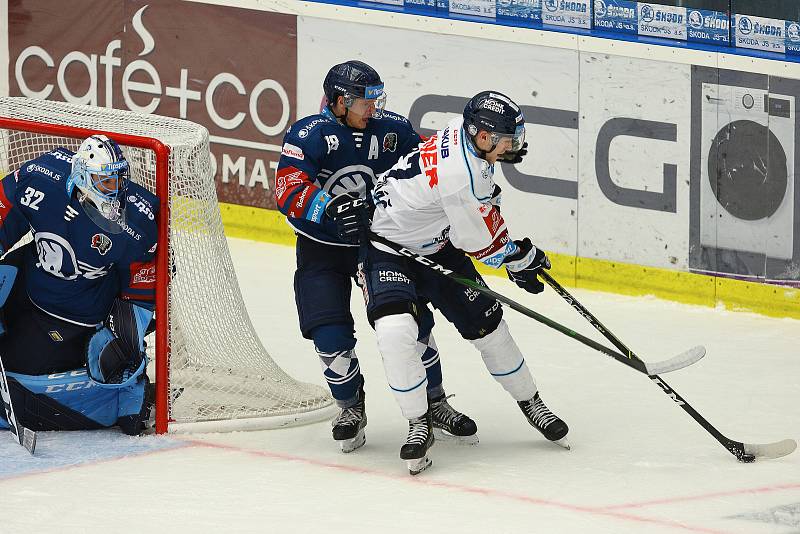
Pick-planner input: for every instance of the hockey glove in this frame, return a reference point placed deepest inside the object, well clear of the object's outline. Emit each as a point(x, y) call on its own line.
point(350, 215)
point(523, 266)
point(515, 157)
point(497, 197)
point(115, 354)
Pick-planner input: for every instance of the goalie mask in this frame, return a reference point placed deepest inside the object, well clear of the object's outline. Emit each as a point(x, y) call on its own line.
point(100, 172)
point(497, 114)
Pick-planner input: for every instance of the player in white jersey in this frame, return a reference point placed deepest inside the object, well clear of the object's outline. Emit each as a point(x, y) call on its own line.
point(439, 201)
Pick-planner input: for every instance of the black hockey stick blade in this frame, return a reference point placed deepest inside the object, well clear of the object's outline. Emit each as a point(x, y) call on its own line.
point(679, 361)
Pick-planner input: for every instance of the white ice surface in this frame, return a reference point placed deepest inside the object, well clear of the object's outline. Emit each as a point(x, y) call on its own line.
point(638, 463)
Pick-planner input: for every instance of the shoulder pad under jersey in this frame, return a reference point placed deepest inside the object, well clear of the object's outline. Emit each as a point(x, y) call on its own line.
point(53, 167)
point(310, 126)
point(141, 214)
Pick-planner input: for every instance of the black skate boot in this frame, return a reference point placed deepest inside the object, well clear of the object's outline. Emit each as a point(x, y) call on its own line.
point(348, 426)
point(451, 425)
point(419, 440)
point(545, 421)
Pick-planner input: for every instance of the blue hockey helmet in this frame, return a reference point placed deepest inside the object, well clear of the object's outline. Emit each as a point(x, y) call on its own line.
point(494, 112)
point(100, 172)
point(354, 79)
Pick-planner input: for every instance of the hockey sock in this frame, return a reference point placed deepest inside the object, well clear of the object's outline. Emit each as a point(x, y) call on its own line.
point(397, 342)
point(433, 367)
point(343, 374)
point(505, 362)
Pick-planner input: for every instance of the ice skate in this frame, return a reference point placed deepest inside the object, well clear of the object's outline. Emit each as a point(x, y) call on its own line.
point(348, 426)
point(451, 425)
point(419, 440)
point(542, 419)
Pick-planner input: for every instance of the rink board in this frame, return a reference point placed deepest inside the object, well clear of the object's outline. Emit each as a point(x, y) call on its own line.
point(619, 185)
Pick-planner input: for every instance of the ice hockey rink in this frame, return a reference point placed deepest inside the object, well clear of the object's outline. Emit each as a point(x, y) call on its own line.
point(638, 462)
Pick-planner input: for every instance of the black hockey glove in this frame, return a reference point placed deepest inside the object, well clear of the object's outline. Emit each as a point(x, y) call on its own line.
point(497, 195)
point(515, 157)
point(523, 266)
point(350, 215)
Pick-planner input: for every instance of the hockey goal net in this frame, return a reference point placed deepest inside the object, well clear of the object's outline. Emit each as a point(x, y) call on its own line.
point(211, 371)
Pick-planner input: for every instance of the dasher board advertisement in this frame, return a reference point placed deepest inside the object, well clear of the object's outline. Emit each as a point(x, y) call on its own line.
point(238, 79)
point(622, 163)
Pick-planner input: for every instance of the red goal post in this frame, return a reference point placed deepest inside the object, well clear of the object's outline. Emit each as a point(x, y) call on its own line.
point(199, 390)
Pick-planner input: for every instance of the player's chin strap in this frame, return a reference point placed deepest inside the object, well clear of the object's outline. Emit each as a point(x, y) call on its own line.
point(341, 119)
point(328, 112)
point(473, 145)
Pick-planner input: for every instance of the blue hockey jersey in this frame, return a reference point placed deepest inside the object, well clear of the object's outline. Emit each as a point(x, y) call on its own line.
point(77, 269)
point(322, 158)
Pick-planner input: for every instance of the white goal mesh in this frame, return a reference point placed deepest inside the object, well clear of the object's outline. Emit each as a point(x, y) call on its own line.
point(217, 369)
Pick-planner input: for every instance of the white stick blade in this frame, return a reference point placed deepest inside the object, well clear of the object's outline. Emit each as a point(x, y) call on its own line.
point(771, 450)
point(684, 359)
point(778, 449)
point(28, 439)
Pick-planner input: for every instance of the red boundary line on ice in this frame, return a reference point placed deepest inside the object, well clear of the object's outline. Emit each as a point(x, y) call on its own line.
point(458, 487)
point(655, 502)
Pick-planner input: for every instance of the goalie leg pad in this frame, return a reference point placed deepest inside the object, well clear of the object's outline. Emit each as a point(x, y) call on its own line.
point(71, 401)
point(505, 362)
point(397, 342)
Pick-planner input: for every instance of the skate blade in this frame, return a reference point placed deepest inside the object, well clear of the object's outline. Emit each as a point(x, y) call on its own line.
point(419, 465)
point(349, 445)
point(563, 443)
point(443, 435)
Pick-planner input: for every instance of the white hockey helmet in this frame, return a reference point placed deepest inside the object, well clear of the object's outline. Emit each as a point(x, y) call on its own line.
point(100, 172)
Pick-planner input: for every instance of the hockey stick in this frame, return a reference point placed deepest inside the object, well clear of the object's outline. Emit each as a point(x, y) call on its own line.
point(744, 452)
point(25, 436)
point(677, 362)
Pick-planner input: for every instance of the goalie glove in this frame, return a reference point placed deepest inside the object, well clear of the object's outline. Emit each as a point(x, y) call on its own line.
point(514, 157)
point(350, 214)
point(115, 355)
point(523, 266)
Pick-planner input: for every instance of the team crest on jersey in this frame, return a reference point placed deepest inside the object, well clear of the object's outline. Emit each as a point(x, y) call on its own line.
point(390, 142)
point(102, 243)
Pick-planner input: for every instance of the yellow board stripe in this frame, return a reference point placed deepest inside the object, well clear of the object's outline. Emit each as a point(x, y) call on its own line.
point(602, 275)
